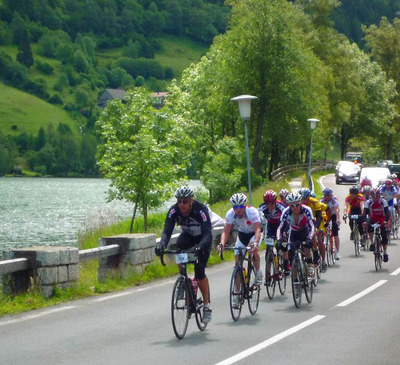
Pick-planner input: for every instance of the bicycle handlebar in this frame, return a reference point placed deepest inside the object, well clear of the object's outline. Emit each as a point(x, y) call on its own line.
point(175, 252)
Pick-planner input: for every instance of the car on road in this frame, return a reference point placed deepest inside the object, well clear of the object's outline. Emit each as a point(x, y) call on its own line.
point(394, 169)
point(384, 163)
point(376, 174)
point(347, 171)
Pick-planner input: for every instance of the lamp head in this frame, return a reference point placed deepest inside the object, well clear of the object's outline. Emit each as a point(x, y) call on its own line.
point(313, 123)
point(244, 102)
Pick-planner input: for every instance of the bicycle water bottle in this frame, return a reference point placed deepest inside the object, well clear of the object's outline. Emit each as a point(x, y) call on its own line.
point(277, 260)
point(246, 278)
point(194, 281)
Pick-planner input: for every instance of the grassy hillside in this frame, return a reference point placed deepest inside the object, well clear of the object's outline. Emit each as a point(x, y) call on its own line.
point(28, 113)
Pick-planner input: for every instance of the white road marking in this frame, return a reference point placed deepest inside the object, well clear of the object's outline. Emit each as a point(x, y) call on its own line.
point(272, 340)
point(36, 315)
point(359, 295)
point(396, 272)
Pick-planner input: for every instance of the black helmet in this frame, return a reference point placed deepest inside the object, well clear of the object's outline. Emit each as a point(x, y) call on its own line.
point(354, 189)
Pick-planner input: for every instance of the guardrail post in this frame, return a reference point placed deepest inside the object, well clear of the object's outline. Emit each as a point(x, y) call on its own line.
point(49, 267)
point(136, 252)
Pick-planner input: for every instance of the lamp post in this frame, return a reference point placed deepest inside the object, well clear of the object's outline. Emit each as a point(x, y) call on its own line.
point(313, 124)
point(244, 102)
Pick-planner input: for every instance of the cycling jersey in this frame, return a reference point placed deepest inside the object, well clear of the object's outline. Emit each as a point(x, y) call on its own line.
point(315, 206)
point(196, 224)
point(244, 224)
point(333, 204)
point(354, 201)
point(377, 210)
point(272, 216)
point(305, 222)
point(388, 195)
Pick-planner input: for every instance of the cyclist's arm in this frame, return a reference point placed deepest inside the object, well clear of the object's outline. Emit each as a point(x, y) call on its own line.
point(257, 233)
point(225, 234)
point(168, 228)
point(318, 218)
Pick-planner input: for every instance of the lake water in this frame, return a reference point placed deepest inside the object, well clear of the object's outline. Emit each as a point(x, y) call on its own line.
point(51, 211)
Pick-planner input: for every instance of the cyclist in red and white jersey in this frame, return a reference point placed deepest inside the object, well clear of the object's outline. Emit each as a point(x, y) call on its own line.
point(248, 222)
point(377, 211)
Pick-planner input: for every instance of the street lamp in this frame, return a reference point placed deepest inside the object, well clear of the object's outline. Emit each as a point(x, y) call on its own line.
point(244, 102)
point(313, 124)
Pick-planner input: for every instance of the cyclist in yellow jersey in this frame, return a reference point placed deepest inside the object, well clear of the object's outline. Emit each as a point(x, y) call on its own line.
point(316, 208)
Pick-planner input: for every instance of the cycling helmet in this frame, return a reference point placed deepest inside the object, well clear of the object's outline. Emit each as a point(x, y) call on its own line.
point(284, 193)
point(238, 199)
point(375, 192)
point(366, 189)
point(393, 176)
point(294, 198)
point(327, 192)
point(388, 182)
point(305, 192)
point(184, 192)
point(354, 189)
point(270, 196)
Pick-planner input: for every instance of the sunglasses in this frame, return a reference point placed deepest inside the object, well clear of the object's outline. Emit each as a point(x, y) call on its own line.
point(294, 205)
point(183, 201)
point(238, 207)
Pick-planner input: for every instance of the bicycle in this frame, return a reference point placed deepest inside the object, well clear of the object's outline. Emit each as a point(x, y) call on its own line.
point(329, 247)
point(242, 285)
point(300, 278)
point(274, 269)
point(377, 246)
point(395, 223)
point(186, 299)
point(355, 233)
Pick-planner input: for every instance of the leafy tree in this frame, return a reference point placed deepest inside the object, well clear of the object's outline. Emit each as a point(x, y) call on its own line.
point(40, 139)
point(80, 63)
point(145, 151)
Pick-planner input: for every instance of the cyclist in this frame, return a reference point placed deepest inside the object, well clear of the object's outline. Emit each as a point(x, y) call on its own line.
point(299, 219)
point(366, 182)
point(354, 204)
point(316, 208)
point(248, 222)
point(366, 192)
point(333, 204)
point(193, 217)
point(272, 210)
point(376, 210)
point(390, 193)
point(283, 194)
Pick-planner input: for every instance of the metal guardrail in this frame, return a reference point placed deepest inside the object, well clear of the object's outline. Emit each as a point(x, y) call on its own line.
point(282, 171)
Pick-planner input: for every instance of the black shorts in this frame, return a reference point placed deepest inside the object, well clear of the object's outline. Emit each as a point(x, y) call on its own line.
point(184, 242)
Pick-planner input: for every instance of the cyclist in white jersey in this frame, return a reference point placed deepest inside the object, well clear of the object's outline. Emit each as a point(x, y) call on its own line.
point(247, 220)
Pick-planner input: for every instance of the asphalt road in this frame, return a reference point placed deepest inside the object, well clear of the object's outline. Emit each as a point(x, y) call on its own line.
point(353, 319)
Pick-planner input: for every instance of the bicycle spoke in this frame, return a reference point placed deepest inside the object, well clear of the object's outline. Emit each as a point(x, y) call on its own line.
point(180, 307)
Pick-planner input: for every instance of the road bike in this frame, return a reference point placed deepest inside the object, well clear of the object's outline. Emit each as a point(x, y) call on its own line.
point(299, 275)
point(242, 286)
point(186, 299)
point(274, 269)
point(395, 223)
point(377, 240)
point(356, 233)
point(329, 246)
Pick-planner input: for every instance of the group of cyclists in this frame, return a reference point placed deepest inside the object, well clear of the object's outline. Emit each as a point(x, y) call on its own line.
point(289, 219)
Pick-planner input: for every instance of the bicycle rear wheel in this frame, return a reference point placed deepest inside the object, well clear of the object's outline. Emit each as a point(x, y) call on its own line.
point(296, 276)
point(309, 282)
point(270, 277)
point(281, 275)
point(356, 234)
point(328, 251)
point(253, 295)
point(199, 311)
point(180, 307)
point(236, 293)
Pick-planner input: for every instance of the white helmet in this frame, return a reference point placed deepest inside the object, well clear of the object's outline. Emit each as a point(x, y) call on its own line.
point(238, 199)
point(294, 198)
point(184, 192)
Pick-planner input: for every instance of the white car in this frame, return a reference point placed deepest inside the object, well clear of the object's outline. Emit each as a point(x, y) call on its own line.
point(376, 174)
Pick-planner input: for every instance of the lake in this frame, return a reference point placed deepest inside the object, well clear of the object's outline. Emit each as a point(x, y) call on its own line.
point(51, 211)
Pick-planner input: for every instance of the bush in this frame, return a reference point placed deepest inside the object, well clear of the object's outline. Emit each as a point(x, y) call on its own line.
point(55, 99)
point(44, 67)
point(142, 66)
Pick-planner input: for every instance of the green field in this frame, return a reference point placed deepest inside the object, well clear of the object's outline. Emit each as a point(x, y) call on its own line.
point(27, 113)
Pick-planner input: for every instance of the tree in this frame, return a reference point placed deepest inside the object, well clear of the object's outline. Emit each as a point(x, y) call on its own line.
point(25, 55)
point(145, 151)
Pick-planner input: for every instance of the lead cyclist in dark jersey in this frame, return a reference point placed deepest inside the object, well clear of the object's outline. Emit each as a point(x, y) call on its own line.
point(193, 217)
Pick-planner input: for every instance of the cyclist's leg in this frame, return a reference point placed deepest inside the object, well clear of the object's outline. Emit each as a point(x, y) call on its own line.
point(335, 232)
point(384, 234)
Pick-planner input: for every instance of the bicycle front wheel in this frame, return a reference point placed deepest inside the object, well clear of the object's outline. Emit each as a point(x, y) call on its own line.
point(236, 293)
point(308, 283)
point(270, 277)
point(253, 297)
point(377, 255)
point(199, 311)
point(180, 307)
point(296, 276)
point(328, 251)
point(356, 242)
